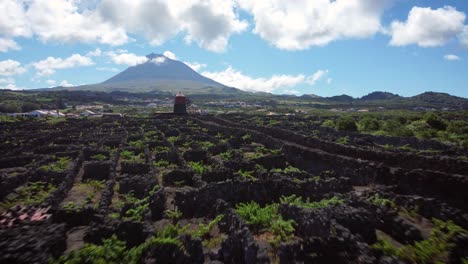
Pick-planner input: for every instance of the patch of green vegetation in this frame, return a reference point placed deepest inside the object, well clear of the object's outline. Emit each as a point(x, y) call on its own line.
point(376, 199)
point(140, 206)
point(161, 149)
point(297, 201)
point(266, 219)
point(173, 139)
point(206, 144)
point(346, 123)
point(247, 174)
point(128, 155)
point(99, 157)
point(406, 148)
point(203, 230)
point(61, 165)
point(434, 249)
point(343, 140)
point(228, 155)
point(55, 120)
point(161, 163)
point(138, 144)
point(246, 137)
point(34, 193)
point(174, 215)
point(95, 184)
point(198, 167)
point(290, 170)
point(9, 119)
point(368, 124)
point(137, 213)
point(328, 123)
point(111, 251)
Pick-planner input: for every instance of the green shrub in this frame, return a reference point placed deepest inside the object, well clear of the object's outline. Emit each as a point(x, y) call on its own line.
point(34, 193)
point(435, 121)
point(111, 251)
point(346, 123)
point(328, 123)
point(161, 163)
point(266, 218)
point(131, 156)
point(95, 184)
point(247, 174)
point(100, 157)
point(228, 155)
point(174, 215)
point(60, 165)
point(380, 201)
point(394, 127)
point(203, 230)
point(198, 167)
point(343, 140)
point(368, 123)
point(458, 127)
point(297, 201)
point(434, 249)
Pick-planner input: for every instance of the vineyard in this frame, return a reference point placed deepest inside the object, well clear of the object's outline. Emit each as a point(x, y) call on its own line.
point(227, 189)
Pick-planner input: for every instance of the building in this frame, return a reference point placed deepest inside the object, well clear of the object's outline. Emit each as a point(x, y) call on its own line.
point(87, 113)
point(39, 113)
point(180, 104)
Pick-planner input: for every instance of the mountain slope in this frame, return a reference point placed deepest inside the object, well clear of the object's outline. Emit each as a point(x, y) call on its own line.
point(160, 68)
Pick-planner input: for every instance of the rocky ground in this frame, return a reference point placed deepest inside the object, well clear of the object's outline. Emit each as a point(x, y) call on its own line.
point(225, 189)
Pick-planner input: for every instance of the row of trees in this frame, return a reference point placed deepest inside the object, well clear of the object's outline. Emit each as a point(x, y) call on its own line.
point(429, 126)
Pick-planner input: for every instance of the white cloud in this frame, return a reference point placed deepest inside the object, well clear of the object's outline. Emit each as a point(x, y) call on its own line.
point(62, 21)
point(129, 59)
point(463, 37)
point(234, 78)
point(8, 44)
point(13, 21)
point(316, 76)
point(8, 83)
point(158, 60)
point(10, 68)
point(6, 80)
point(65, 83)
point(109, 69)
point(95, 53)
point(300, 24)
point(195, 65)
point(50, 82)
point(451, 57)
point(293, 92)
point(329, 80)
point(48, 66)
point(170, 55)
point(428, 27)
point(210, 23)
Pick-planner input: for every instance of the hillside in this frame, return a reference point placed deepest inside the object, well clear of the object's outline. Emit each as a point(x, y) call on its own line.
point(380, 96)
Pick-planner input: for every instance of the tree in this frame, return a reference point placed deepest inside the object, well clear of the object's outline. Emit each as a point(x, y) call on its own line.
point(369, 123)
point(9, 108)
point(29, 106)
point(435, 121)
point(346, 123)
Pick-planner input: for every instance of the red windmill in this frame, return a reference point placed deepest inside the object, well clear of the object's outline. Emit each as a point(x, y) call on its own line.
point(180, 104)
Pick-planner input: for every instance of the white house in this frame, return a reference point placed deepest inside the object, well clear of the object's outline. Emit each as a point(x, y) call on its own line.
point(44, 113)
point(87, 113)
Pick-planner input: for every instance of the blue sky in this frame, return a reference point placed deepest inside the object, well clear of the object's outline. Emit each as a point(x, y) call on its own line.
point(318, 47)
